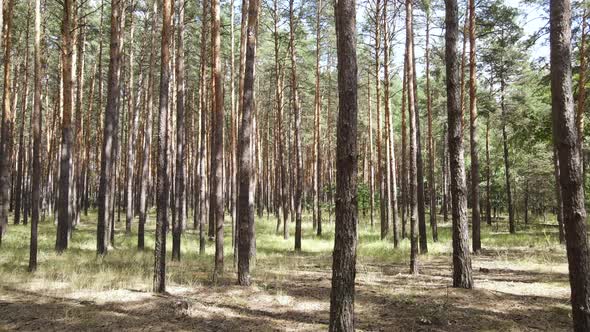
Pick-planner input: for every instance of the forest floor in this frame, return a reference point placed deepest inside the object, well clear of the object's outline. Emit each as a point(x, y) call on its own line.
point(521, 284)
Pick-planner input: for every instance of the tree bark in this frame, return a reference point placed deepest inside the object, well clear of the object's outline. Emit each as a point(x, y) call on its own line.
point(282, 176)
point(63, 218)
point(488, 175)
point(18, 188)
point(413, 167)
point(203, 110)
point(390, 159)
point(581, 107)
point(36, 128)
point(419, 159)
point(567, 143)
point(147, 137)
point(475, 217)
point(431, 154)
point(110, 132)
point(511, 222)
point(298, 174)
point(133, 108)
point(216, 194)
point(317, 181)
point(344, 255)
point(462, 274)
point(245, 201)
point(180, 131)
point(163, 185)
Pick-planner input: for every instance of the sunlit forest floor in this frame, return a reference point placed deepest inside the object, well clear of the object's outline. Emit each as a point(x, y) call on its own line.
point(521, 283)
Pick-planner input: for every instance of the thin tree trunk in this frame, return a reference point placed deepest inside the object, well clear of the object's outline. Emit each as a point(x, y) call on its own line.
point(371, 157)
point(404, 174)
point(317, 221)
point(488, 175)
point(18, 190)
point(558, 196)
point(380, 171)
point(390, 155)
point(147, 137)
point(431, 154)
point(413, 142)
point(163, 185)
point(203, 109)
point(36, 118)
point(279, 76)
point(180, 131)
point(419, 160)
point(216, 195)
point(475, 217)
point(511, 223)
point(298, 172)
point(133, 108)
point(63, 221)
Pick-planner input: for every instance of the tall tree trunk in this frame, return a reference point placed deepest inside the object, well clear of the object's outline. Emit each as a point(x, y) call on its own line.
point(404, 173)
point(180, 131)
point(233, 127)
point(245, 201)
point(317, 103)
point(431, 180)
point(390, 155)
point(36, 119)
point(344, 256)
point(462, 274)
point(203, 110)
point(419, 159)
point(475, 217)
point(488, 175)
point(298, 173)
point(567, 143)
point(216, 195)
point(163, 185)
point(413, 176)
point(18, 189)
point(107, 164)
point(63, 221)
point(371, 157)
point(76, 176)
point(279, 75)
point(581, 107)
point(380, 171)
point(147, 137)
point(511, 222)
point(133, 108)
